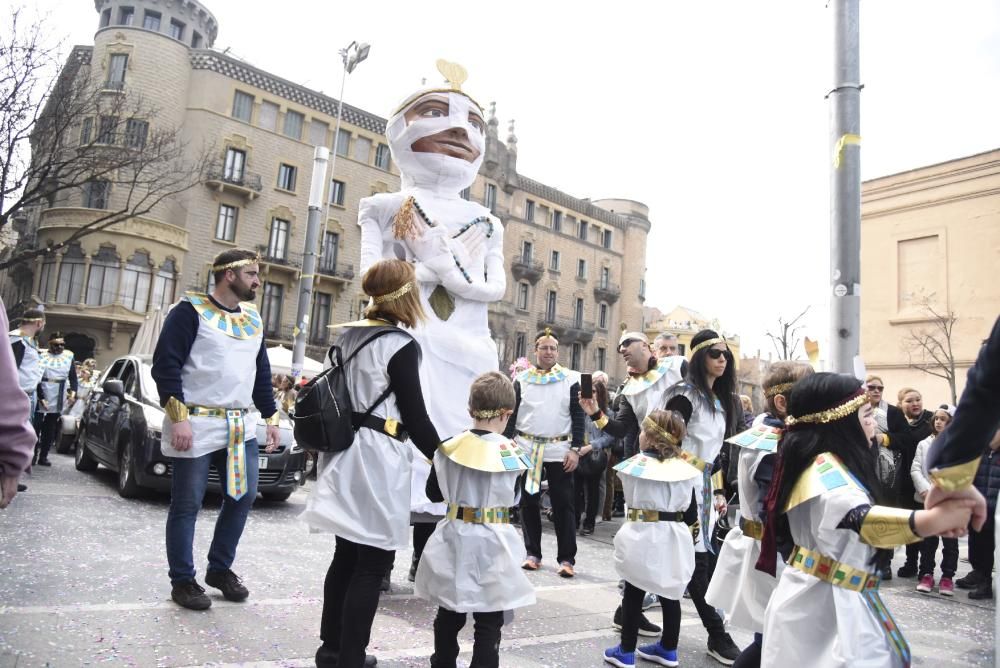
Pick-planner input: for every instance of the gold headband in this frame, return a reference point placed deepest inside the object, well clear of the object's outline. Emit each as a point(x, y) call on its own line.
point(27, 320)
point(649, 424)
point(489, 414)
point(847, 408)
point(775, 390)
point(395, 294)
point(709, 342)
point(236, 264)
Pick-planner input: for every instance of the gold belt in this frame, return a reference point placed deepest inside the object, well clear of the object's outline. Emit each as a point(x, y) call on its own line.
point(829, 570)
point(694, 460)
point(751, 528)
point(644, 515)
point(212, 411)
point(495, 515)
point(542, 439)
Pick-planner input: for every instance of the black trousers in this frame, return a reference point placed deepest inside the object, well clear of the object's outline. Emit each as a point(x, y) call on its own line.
point(949, 560)
point(981, 548)
point(350, 599)
point(588, 488)
point(421, 533)
point(48, 428)
point(561, 493)
point(486, 638)
point(704, 566)
point(632, 610)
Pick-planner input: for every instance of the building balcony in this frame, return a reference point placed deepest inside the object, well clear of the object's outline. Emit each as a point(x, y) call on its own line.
point(243, 183)
point(337, 272)
point(526, 269)
point(288, 261)
point(568, 330)
point(607, 292)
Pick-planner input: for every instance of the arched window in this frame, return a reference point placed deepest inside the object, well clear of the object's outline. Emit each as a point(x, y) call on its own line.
point(135, 282)
point(69, 287)
point(102, 285)
point(163, 285)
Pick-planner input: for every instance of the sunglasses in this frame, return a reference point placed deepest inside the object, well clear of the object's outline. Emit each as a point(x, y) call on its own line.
point(716, 353)
point(876, 388)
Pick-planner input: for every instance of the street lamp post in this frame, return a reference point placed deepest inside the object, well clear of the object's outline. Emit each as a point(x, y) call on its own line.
point(351, 55)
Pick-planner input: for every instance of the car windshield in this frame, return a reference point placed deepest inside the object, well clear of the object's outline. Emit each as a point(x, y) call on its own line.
point(148, 384)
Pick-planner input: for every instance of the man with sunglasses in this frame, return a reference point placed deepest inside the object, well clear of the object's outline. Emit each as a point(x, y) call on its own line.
point(60, 384)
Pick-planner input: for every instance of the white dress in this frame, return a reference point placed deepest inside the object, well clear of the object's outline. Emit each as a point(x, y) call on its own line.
point(363, 493)
point(808, 619)
point(737, 586)
point(656, 557)
point(472, 567)
point(544, 410)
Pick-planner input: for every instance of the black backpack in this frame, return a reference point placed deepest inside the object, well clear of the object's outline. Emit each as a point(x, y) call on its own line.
point(322, 416)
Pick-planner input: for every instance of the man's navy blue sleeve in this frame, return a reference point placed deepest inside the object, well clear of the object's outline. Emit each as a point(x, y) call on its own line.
point(263, 392)
point(172, 350)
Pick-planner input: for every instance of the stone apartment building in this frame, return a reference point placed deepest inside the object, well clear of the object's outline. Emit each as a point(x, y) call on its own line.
point(566, 256)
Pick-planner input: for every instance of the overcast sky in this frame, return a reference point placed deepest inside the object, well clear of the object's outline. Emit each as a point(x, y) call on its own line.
point(712, 113)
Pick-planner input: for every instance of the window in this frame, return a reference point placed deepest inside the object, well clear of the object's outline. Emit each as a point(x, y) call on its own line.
point(128, 379)
point(105, 18)
point(575, 357)
point(607, 239)
point(136, 132)
point(126, 16)
point(286, 177)
point(681, 350)
point(48, 272)
point(581, 230)
point(328, 257)
point(102, 286)
point(106, 129)
point(242, 106)
point(527, 249)
point(581, 268)
point(225, 228)
point(520, 344)
point(362, 305)
point(602, 358)
point(522, 296)
point(529, 211)
point(490, 201)
point(343, 141)
point(602, 316)
point(86, 130)
point(320, 319)
point(236, 160)
point(554, 261)
point(382, 161)
point(164, 284)
point(95, 194)
point(271, 308)
point(317, 132)
point(293, 124)
point(177, 30)
point(135, 282)
point(196, 40)
point(642, 288)
point(467, 194)
point(69, 287)
point(919, 276)
point(595, 232)
point(550, 307)
point(363, 149)
point(277, 244)
point(267, 117)
point(337, 192)
point(557, 221)
point(151, 21)
point(605, 277)
point(578, 313)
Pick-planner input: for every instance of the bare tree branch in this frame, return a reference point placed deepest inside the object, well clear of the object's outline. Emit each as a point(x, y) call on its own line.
point(786, 340)
point(929, 347)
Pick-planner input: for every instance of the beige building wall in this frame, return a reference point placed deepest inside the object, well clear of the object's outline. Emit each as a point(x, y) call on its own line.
point(929, 237)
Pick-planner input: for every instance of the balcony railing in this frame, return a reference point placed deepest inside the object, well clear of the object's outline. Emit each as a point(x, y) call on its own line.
point(568, 330)
point(606, 291)
point(242, 181)
point(272, 257)
point(335, 270)
point(524, 268)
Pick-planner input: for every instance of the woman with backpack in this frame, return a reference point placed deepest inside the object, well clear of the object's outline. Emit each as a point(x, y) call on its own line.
point(362, 493)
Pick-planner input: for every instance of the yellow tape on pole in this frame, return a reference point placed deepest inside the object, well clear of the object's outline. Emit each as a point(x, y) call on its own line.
point(838, 150)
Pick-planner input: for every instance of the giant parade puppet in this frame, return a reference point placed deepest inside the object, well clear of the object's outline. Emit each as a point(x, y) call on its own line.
point(437, 137)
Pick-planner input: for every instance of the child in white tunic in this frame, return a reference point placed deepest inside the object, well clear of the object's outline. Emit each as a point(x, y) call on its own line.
point(654, 549)
point(826, 609)
point(472, 561)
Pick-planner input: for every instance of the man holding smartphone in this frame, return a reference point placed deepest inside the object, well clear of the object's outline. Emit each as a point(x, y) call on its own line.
point(548, 423)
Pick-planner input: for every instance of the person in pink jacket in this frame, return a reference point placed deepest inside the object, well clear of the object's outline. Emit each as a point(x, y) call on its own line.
point(17, 438)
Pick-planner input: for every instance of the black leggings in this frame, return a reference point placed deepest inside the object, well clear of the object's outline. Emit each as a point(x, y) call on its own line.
point(588, 488)
point(632, 610)
point(704, 566)
point(421, 533)
point(486, 638)
point(350, 599)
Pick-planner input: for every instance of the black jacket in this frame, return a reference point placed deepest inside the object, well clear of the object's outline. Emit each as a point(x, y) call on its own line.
point(988, 478)
point(903, 438)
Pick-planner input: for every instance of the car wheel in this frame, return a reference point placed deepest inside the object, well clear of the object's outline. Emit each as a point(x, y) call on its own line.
point(127, 486)
point(65, 443)
point(84, 460)
point(276, 496)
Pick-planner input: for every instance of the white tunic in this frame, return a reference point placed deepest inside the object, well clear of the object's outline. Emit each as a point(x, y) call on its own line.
point(544, 410)
point(55, 371)
point(471, 567)
point(656, 557)
point(809, 619)
point(646, 393)
point(29, 373)
point(363, 493)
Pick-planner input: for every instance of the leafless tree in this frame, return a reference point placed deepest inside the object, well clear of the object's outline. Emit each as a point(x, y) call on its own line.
point(786, 339)
point(62, 133)
point(929, 346)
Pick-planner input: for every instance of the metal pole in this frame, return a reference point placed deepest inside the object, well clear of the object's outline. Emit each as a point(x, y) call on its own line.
point(845, 189)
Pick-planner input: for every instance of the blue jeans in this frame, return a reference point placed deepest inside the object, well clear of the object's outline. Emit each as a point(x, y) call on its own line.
point(187, 490)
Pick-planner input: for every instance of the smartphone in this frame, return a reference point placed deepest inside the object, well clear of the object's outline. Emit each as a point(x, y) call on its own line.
point(586, 386)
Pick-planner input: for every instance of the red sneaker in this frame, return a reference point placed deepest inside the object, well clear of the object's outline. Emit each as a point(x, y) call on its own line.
point(926, 584)
point(946, 587)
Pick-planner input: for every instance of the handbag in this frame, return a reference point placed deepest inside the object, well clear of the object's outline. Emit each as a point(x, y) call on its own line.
point(594, 463)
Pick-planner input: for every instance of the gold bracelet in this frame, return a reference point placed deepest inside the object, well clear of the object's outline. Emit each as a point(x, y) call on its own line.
point(885, 526)
point(274, 420)
point(176, 411)
point(601, 422)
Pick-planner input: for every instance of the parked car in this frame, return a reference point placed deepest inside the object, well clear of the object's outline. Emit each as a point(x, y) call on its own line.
point(121, 427)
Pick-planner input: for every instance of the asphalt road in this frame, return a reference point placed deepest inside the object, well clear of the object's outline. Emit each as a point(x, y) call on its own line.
point(83, 581)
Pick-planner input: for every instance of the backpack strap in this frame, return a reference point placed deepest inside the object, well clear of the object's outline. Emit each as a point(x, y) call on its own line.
point(358, 422)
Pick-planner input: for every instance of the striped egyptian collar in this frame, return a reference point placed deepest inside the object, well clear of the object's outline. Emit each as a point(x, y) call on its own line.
point(637, 384)
point(534, 376)
point(244, 324)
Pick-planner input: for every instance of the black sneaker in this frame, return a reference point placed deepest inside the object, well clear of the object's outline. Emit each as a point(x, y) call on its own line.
point(722, 648)
point(44, 462)
point(190, 595)
point(329, 658)
point(982, 592)
point(228, 583)
point(587, 530)
point(907, 571)
point(386, 585)
point(971, 580)
point(646, 627)
point(887, 574)
point(412, 575)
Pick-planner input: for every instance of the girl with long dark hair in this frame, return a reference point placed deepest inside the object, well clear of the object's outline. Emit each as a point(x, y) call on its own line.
point(826, 605)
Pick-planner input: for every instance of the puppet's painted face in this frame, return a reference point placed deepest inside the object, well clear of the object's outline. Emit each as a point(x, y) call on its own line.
point(455, 142)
